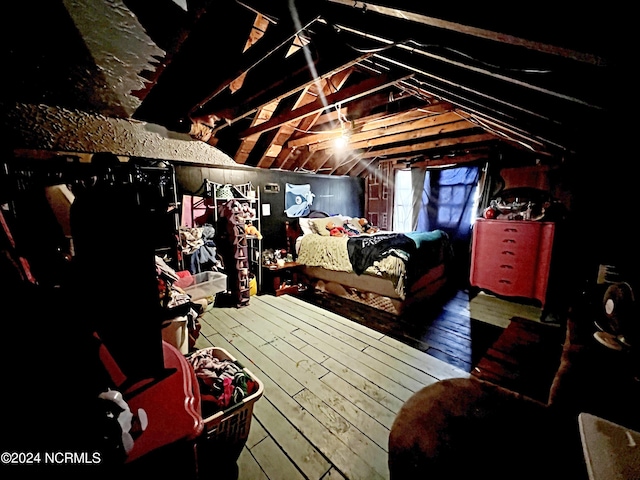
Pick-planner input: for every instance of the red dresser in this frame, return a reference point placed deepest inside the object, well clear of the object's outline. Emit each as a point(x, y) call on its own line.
point(512, 258)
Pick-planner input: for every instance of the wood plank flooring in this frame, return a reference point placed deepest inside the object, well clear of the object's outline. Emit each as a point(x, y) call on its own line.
point(332, 387)
point(442, 327)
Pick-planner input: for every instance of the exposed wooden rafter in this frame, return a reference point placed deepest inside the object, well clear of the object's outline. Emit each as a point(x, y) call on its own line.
point(403, 82)
point(343, 96)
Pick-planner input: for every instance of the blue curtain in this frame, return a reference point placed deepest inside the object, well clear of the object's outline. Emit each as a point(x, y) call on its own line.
point(448, 201)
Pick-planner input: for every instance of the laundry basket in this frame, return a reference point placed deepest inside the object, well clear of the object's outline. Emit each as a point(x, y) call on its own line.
point(226, 431)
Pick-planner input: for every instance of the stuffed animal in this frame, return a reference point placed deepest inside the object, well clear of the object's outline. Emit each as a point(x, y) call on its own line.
point(250, 229)
point(248, 213)
point(120, 425)
point(336, 230)
point(367, 227)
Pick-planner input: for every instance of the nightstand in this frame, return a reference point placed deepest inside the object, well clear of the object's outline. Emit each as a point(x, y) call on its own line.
point(284, 278)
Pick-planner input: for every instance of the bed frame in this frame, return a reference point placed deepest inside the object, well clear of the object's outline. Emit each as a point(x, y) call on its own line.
point(376, 292)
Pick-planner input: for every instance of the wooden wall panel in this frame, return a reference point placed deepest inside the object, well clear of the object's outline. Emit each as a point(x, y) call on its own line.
point(379, 197)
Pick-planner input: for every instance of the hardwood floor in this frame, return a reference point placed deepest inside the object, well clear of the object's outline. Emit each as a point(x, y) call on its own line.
point(441, 327)
point(336, 372)
point(332, 387)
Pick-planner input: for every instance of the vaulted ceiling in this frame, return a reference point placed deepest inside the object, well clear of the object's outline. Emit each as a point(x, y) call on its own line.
point(277, 83)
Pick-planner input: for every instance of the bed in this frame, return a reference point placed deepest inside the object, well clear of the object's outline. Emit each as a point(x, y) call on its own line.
point(386, 270)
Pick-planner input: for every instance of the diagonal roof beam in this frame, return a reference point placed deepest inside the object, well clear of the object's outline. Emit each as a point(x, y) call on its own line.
point(308, 95)
point(423, 146)
point(472, 31)
point(412, 135)
point(348, 94)
point(265, 83)
point(274, 42)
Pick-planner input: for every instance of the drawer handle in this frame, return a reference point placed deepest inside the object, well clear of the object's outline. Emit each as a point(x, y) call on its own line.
point(504, 281)
point(508, 229)
point(508, 267)
point(508, 240)
point(507, 252)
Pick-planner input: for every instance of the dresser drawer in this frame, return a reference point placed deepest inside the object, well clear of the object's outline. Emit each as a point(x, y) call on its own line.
point(505, 273)
point(511, 280)
point(512, 258)
point(508, 234)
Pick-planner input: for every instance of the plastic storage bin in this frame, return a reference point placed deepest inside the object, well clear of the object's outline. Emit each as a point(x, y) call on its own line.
point(225, 432)
point(203, 284)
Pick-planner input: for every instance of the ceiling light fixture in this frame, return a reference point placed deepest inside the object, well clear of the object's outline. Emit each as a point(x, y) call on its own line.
point(342, 141)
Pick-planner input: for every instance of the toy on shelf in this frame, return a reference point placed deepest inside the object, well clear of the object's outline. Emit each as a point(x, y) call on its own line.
point(247, 212)
point(250, 229)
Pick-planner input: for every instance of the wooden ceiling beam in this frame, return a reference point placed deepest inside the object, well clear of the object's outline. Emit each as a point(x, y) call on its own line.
point(377, 122)
point(326, 164)
point(472, 31)
point(316, 160)
point(363, 168)
point(414, 113)
point(413, 135)
point(349, 94)
point(321, 59)
point(346, 165)
point(424, 146)
point(470, 157)
point(508, 133)
point(278, 138)
point(264, 144)
point(308, 95)
point(248, 144)
point(284, 157)
point(429, 127)
point(337, 159)
point(296, 156)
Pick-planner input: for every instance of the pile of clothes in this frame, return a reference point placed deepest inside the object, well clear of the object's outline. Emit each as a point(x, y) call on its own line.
point(223, 383)
point(176, 303)
point(198, 243)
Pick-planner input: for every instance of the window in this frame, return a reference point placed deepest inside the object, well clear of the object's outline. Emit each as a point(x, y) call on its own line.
point(447, 200)
point(403, 202)
point(457, 187)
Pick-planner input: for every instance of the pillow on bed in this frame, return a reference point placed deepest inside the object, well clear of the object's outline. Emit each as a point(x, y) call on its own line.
point(305, 226)
point(319, 225)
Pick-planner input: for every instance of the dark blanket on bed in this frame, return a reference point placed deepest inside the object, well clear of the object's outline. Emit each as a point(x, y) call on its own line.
point(424, 250)
point(366, 249)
